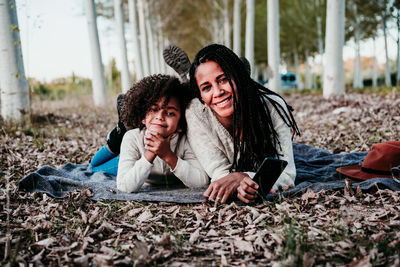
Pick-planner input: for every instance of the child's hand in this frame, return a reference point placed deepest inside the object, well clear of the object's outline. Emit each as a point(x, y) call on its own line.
point(157, 144)
point(160, 146)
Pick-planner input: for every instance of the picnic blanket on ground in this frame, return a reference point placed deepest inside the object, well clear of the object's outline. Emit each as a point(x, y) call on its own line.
point(316, 169)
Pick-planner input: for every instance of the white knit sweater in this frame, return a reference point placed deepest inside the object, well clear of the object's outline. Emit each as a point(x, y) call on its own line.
point(213, 144)
point(134, 169)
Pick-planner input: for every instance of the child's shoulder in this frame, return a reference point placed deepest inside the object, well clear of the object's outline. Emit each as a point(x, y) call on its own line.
point(134, 134)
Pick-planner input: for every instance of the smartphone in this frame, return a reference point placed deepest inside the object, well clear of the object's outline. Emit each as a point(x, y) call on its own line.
point(267, 174)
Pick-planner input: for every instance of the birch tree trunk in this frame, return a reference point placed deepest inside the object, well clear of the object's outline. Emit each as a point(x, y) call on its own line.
point(249, 52)
point(161, 44)
point(387, 68)
point(156, 52)
point(135, 39)
point(143, 38)
point(334, 41)
point(300, 84)
point(237, 27)
point(126, 81)
point(98, 79)
point(320, 47)
point(358, 77)
point(308, 72)
point(150, 43)
point(374, 67)
point(15, 103)
point(227, 24)
point(398, 47)
point(273, 45)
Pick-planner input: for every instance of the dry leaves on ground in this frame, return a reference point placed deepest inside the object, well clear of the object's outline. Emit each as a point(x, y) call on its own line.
point(318, 228)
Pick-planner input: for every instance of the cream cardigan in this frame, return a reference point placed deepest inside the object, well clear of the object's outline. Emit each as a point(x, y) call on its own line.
point(213, 144)
point(134, 169)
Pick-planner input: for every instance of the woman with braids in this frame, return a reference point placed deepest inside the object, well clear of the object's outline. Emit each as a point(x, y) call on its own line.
point(155, 151)
point(234, 123)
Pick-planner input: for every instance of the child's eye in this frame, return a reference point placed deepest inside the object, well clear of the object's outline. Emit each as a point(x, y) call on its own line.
point(171, 114)
point(153, 109)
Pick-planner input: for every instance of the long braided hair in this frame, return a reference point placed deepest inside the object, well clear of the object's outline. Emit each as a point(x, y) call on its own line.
point(254, 133)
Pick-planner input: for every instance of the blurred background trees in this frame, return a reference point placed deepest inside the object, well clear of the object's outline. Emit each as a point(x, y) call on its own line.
point(148, 26)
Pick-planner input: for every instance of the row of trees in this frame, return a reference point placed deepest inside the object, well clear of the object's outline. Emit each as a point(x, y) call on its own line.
point(268, 33)
point(271, 32)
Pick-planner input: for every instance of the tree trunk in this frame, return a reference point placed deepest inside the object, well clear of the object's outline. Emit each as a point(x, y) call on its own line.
point(126, 81)
point(98, 79)
point(227, 24)
point(237, 27)
point(334, 41)
point(135, 40)
point(15, 103)
point(143, 38)
point(398, 47)
point(150, 45)
point(156, 52)
point(300, 84)
point(256, 72)
point(161, 45)
point(374, 68)
point(320, 47)
point(358, 77)
point(273, 45)
point(308, 72)
point(387, 69)
point(249, 52)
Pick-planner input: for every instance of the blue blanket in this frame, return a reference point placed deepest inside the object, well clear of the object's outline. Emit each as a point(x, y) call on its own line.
point(316, 169)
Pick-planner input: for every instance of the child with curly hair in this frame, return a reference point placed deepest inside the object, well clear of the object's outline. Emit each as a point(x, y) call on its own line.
point(155, 149)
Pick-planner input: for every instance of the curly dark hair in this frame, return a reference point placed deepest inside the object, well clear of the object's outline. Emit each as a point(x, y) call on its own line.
point(149, 90)
point(251, 116)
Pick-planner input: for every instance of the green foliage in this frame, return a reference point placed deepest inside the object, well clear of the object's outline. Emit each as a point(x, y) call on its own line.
point(61, 87)
point(113, 77)
point(296, 243)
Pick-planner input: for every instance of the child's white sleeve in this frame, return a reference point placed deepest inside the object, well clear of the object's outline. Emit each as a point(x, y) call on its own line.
point(133, 168)
point(188, 168)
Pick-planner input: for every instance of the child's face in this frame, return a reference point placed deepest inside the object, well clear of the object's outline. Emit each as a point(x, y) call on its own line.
point(163, 118)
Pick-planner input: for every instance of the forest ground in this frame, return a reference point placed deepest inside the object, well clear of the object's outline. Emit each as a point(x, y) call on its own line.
point(324, 228)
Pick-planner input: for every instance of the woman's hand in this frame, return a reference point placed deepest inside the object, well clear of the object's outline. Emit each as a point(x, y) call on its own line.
point(225, 187)
point(247, 190)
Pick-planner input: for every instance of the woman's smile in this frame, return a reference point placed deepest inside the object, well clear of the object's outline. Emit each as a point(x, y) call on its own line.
point(224, 103)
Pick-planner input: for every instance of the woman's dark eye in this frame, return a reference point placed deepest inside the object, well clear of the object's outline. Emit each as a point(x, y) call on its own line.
point(205, 88)
point(223, 80)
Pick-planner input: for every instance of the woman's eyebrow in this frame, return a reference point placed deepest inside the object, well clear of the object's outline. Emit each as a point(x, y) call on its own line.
point(206, 82)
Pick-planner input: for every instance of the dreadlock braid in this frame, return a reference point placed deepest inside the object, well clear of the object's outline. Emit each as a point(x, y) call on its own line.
point(254, 135)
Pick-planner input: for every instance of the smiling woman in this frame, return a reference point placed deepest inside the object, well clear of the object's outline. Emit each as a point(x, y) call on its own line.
point(234, 123)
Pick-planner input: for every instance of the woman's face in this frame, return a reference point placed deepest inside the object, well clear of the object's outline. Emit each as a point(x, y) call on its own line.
point(215, 89)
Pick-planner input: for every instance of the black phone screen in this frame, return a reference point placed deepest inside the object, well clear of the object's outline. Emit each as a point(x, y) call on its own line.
point(268, 173)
